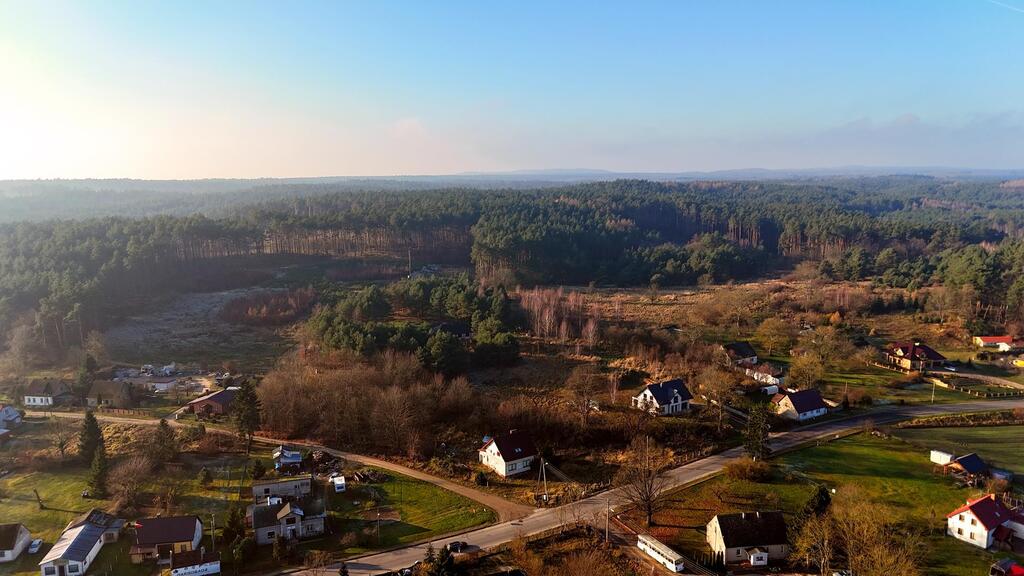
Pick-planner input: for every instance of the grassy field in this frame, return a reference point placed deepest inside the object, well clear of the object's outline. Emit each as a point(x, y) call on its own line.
point(890, 472)
point(1001, 446)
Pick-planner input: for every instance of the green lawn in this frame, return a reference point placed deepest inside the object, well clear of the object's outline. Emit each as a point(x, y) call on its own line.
point(1001, 446)
point(899, 476)
point(425, 511)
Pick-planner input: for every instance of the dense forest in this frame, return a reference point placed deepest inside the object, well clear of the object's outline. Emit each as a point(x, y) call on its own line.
point(60, 278)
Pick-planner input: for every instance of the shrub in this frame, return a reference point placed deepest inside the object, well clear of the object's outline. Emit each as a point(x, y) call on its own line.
point(480, 478)
point(748, 469)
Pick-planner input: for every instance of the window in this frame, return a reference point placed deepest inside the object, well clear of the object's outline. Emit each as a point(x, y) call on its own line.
point(289, 521)
point(72, 568)
point(972, 536)
point(3, 553)
point(959, 531)
point(271, 535)
point(974, 522)
point(961, 517)
point(49, 571)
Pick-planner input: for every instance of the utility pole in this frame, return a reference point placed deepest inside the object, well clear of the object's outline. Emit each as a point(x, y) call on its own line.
point(213, 531)
point(607, 516)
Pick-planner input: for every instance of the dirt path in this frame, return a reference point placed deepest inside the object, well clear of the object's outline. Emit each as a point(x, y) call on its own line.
point(506, 510)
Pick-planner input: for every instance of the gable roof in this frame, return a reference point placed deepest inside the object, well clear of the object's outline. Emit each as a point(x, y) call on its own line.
point(266, 515)
point(151, 531)
point(995, 339)
point(515, 445)
point(664, 391)
point(990, 511)
point(915, 351)
point(9, 536)
point(47, 387)
point(749, 529)
point(108, 389)
point(81, 535)
point(222, 397)
point(803, 401)
point(740, 350)
point(972, 463)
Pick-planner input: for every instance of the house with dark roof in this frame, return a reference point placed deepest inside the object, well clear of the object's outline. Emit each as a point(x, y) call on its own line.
point(800, 405)
point(47, 392)
point(10, 417)
point(741, 353)
point(509, 454)
point(748, 537)
point(195, 563)
point(111, 394)
point(76, 548)
point(294, 520)
point(664, 398)
point(157, 538)
point(14, 538)
point(287, 459)
point(913, 356)
point(214, 404)
point(985, 522)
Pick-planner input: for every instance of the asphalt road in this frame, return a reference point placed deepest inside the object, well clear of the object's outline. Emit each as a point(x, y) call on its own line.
point(596, 506)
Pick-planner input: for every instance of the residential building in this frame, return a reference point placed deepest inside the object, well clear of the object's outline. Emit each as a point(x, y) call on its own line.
point(664, 398)
point(288, 488)
point(985, 522)
point(298, 519)
point(993, 342)
point(14, 538)
point(766, 373)
point(741, 353)
point(41, 393)
point(10, 417)
point(110, 394)
point(214, 404)
point(800, 405)
point(286, 459)
point(661, 553)
point(748, 537)
point(913, 356)
point(77, 547)
point(195, 563)
point(509, 454)
point(157, 538)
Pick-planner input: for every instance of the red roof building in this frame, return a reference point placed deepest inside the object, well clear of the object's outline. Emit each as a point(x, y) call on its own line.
point(985, 522)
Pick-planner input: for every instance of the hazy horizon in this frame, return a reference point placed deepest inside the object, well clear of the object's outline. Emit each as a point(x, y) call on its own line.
point(320, 89)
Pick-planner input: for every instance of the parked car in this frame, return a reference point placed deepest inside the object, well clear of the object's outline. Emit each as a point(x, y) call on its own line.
point(457, 547)
point(35, 545)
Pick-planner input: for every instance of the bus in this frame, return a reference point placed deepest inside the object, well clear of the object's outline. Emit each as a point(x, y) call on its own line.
point(661, 553)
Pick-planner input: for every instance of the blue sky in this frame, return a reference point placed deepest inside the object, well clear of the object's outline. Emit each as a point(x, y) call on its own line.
point(245, 89)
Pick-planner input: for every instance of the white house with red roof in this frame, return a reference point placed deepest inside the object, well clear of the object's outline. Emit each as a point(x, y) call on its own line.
point(509, 454)
point(1002, 343)
point(984, 522)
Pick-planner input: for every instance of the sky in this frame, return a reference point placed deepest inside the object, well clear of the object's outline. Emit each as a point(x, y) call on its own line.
point(196, 89)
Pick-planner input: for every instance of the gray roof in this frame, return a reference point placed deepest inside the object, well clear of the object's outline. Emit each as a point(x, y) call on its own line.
point(750, 529)
point(9, 536)
point(266, 515)
point(81, 535)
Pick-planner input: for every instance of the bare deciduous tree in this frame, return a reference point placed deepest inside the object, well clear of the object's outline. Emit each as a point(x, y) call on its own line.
point(642, 478)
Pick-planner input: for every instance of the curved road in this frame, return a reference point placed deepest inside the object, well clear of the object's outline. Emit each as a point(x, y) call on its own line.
point(595, 507)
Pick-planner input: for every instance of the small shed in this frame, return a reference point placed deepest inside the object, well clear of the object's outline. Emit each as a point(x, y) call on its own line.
point(941, 458)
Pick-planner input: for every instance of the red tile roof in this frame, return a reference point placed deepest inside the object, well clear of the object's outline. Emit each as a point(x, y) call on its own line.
point(995, 339)
point(990, 511)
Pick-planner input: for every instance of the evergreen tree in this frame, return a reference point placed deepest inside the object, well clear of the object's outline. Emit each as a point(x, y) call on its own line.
point(246, 412)
point(258, 469)
point(205, 478)
point(89, 438)
point(165, 443)
point(98, 474)
point(755, 436)
point(234, 526)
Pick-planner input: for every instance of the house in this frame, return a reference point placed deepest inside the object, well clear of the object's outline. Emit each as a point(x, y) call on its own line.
point(285, 459)
point(157, 538)
point(800, 405)
point(664, 398)
point(195, 563)
point(766, 373)
point(287, 488)
point(161, 384)
point(753, 537)
point(913, 356)
point(14, 538)
point(1006, 567)
point(214, 404)
point(985, 522)
point(301, 518)
point(47, 392)
point(110, 394)
point(509, 454)
point(10, 417)
point(77, 547)
point(741, 353)
point(998, 342)
point(661, 553)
